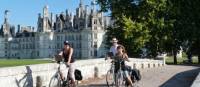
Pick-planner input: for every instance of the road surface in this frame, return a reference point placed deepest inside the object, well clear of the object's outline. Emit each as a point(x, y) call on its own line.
point(167, 76)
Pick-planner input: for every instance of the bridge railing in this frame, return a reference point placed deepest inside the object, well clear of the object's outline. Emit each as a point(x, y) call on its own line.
point(20, 76)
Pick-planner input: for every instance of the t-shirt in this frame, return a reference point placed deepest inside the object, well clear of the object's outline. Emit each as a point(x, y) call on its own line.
point(113, 49)
point(66, 56)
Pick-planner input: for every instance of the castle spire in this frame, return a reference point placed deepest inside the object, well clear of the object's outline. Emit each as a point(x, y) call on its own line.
point(81, 3)
point(6, 16)
point(45, 11)
point(93, 3)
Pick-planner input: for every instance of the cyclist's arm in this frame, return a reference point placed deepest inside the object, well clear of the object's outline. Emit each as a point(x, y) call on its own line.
point(125, 56)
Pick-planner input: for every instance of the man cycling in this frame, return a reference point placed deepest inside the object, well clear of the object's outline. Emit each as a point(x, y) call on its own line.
point(114, 46)
point(113, 49)
point(67, 53)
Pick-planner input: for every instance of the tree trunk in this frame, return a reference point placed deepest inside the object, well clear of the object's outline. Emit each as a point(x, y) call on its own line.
point(198, 58)
point(189, 56)
point(175, 58)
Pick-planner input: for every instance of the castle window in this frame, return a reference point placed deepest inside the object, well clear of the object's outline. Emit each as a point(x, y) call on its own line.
point(72, 37)
point(95, 53)
point(58, 38)
point(95, 36)
point(95, 21)
point(95, 27)
point(57, 45)
point(38, 53)
point(66, 38)
point(90, 53)
point(61, 38)
point(95, 44)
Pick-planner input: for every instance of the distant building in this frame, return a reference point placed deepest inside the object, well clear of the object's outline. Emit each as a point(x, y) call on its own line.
point(85, 31)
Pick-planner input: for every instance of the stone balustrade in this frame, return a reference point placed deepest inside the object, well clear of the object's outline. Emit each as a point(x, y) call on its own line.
point(20, 76)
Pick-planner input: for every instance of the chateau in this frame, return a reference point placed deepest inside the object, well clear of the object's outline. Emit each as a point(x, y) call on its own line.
point(85, 30)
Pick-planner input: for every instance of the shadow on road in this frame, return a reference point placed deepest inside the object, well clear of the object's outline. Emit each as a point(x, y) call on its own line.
point(26, 80)
point(182, 79)
point(95, 85)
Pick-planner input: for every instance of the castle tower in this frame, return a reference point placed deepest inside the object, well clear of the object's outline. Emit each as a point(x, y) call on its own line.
point(45, 11)
point(6, 16)
point(93, 10)
point(45, 22)
point(6, 26)
point(45, 19)
point(86, 16)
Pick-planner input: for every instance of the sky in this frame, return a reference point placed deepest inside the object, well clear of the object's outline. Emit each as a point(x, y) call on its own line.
point(25, 12)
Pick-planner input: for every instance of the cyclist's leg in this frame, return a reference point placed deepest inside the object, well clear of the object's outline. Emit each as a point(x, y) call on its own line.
point(60, 73)
point(71, 73)
point(127, 77)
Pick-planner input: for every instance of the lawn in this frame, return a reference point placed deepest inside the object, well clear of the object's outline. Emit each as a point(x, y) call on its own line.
point(19, 62)
point(170, 60)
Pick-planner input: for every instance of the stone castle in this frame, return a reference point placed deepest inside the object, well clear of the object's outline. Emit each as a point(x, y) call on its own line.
point(85, 31)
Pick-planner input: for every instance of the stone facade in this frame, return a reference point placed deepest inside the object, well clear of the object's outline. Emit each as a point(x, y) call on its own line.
point(85, 31)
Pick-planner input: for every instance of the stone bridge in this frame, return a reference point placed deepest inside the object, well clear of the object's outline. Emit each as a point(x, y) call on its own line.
point(21, 76)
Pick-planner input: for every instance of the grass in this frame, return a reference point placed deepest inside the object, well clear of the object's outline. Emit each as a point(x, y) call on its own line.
point(170, 60)
point(20, 62)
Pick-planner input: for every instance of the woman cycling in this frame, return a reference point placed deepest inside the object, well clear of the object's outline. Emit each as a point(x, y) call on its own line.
point(122, 56)
point(67, 53)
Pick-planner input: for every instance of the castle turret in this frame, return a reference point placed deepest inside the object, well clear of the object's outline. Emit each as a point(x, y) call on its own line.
point(45, 12)
point(6, 16)
point(45, 18)
point(86, 16)
point(6, 26)
point(45, 22)
point(93, 10)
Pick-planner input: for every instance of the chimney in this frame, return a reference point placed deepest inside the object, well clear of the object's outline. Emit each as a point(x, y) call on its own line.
point(86, 17)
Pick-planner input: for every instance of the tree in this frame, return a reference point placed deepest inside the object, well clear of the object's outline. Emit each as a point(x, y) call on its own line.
point(158, 25)
point(142, 23)
point(131, 33)
point(187, 24)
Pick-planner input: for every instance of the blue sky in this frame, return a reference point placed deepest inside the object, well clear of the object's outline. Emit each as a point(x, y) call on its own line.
point(25, 12)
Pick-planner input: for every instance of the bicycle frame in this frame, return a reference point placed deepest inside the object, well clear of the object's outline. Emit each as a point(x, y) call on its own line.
point(60, 78)
point(117, 77)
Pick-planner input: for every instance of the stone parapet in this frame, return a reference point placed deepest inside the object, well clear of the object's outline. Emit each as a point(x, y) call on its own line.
point(21, 76)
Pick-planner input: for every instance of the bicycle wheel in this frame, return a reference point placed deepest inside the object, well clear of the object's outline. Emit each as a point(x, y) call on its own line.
point(55, 81)
point(110, 78)
point(120, 81)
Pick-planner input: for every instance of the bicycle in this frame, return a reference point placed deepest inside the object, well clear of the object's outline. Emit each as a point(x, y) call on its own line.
point(58, 79)
point(115, 79)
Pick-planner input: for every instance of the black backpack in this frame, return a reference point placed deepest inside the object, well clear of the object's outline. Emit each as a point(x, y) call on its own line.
point(78, 75)
point(136, 74)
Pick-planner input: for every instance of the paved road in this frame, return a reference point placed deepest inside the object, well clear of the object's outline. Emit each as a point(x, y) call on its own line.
point(168, 76)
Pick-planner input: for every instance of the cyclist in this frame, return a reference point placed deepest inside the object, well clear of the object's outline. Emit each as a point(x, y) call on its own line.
point(67, 53)
point(122, 56)
point(113, 48)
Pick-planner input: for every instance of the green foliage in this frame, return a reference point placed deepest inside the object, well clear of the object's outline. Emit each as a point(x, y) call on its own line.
point(158, 25)
point(137, 26)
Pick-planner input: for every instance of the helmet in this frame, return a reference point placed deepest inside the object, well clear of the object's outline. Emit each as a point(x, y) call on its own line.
point(66, 42)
